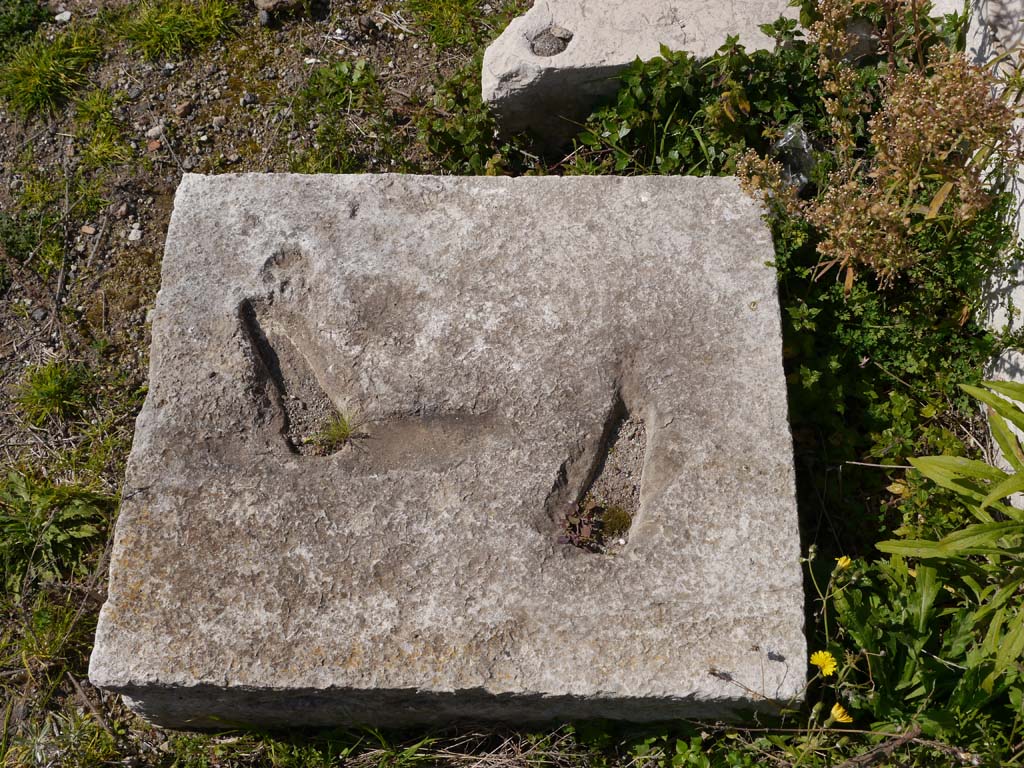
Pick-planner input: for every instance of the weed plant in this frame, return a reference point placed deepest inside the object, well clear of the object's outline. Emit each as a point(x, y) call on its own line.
point(461, 135)
point(170, 28)
point(340, 430)
point(47, 531)
point(54, 391)
point(43, 74)
point(345, 103)
point(105, 144)
point(32, 234)
point(447, 22)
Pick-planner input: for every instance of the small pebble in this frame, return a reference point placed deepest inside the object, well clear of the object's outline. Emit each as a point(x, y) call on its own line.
point(63, 18)
point(248, 99)
point(155, 132)
point(135, 235)
point(88, 229)
point(220, 121)
point(184, 109)
point(366, 24)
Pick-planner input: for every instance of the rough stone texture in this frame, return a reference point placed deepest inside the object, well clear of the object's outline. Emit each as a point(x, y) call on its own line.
point(485, 330)
point(997, 30)
point(553, 64)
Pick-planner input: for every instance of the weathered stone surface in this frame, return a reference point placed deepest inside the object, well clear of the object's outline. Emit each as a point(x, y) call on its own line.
point(486, 331)
point(551, 65)
point(996, 33)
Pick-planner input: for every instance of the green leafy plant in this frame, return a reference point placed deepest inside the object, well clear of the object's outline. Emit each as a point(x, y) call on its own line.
point(58, 390)
point(335, 98)
point(170, 28)
point(43, 74)
point(47, 530)
point(460, 132)
point(987, 556)
point(674, 114)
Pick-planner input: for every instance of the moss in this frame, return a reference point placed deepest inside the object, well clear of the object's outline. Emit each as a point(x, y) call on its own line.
point(615, 522)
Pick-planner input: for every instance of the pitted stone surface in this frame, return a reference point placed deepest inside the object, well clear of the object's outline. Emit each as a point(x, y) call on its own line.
point(483, 329)
point(554, 63)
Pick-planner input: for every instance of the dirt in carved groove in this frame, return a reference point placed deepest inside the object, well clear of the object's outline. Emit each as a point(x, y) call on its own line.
point(602, 519)
point(305, 408)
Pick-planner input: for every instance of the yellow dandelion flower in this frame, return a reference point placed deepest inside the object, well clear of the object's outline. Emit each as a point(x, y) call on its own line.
point(842, 563)
point(840, 715)
point(824, 661)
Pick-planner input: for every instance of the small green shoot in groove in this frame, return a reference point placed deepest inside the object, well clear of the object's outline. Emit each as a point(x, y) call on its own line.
point(341, 430)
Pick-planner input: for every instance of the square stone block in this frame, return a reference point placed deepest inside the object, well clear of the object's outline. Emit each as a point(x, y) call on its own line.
point(501, 348)
point(552, 65)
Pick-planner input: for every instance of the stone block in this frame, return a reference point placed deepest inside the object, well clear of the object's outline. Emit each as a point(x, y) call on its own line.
point(553, 64)
point(490, 339)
